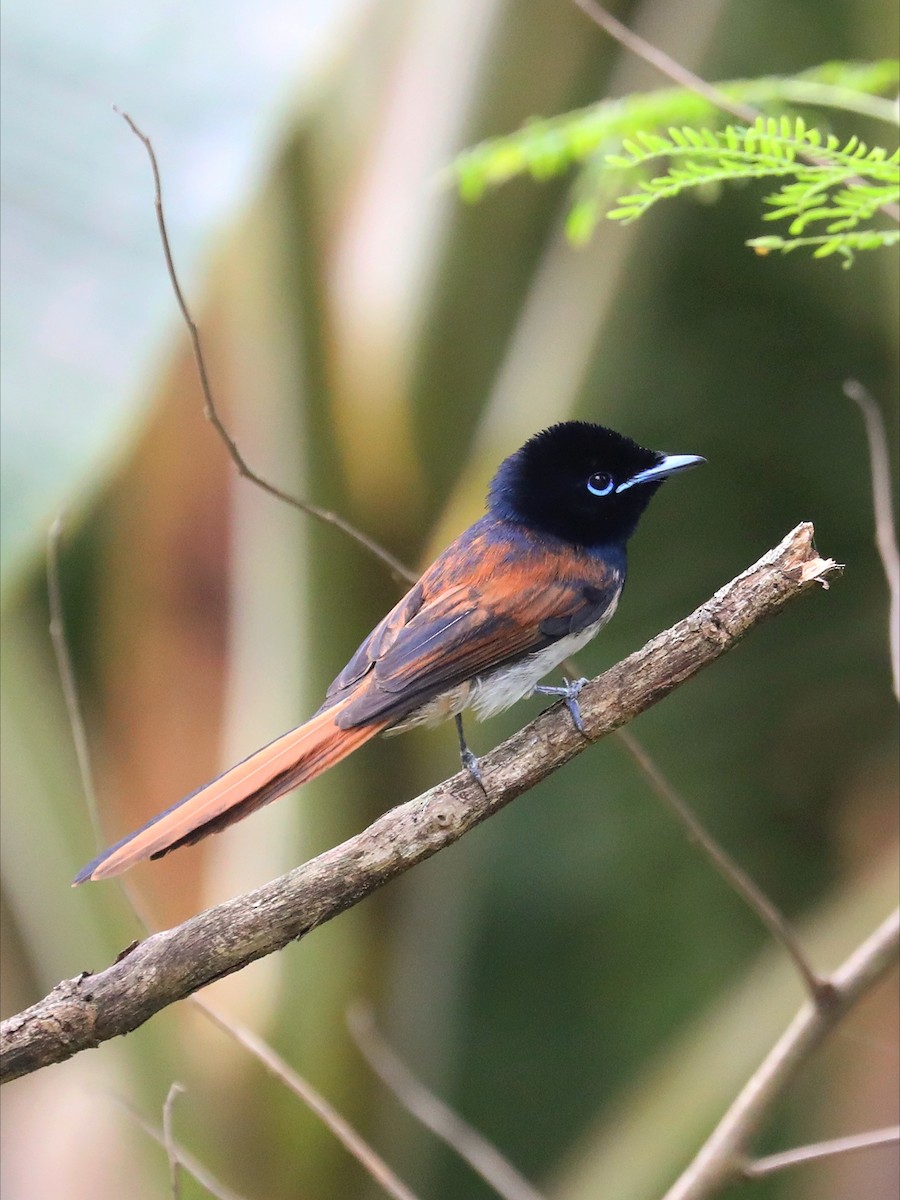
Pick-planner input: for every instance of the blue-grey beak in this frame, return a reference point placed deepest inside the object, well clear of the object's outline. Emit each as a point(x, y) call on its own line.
point(670, 465)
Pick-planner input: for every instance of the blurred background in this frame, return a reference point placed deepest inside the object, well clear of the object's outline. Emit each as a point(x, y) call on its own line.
point(572, 977)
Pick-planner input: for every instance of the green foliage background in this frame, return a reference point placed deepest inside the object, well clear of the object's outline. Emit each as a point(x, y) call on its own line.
point(572, 977)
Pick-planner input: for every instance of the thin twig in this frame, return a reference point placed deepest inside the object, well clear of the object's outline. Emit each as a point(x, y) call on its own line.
point(883, 504)
point(686, 78)
point(69, 687)
point(720, 1160)
point(758, 1167)
point(209, 404)
point(734, 875)
point(176, 1090)
point(67, 676)
point(482, 1156)
point(185, 1158)
point(342, 1130)
point(85, 1011)
point(664, 63)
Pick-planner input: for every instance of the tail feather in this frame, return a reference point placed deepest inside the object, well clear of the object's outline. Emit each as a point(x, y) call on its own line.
point(295, 758)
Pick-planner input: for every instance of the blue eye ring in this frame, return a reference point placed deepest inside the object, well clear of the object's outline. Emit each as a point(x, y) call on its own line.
point(601, 483)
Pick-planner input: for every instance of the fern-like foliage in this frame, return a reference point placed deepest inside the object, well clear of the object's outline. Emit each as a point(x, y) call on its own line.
point(548, 147)
point(841, 185)
point(838, 187)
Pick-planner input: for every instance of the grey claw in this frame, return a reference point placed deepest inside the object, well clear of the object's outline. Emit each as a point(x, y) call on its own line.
point(572, 706)
point(467, 758)
point(470, 764)
point(569, 693)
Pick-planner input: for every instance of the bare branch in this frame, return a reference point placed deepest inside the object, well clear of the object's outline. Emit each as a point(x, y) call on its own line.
point(327, 1114)
point(663, 62)
point(73, 705)
point(882, 502)
point(185, 1159)
point(471, 1146)
point(67, 675)
point(176, 1090)
point(734, 875)
point(209, 404)
point(722, 1157)
point(759, 1167)
point(167, 966)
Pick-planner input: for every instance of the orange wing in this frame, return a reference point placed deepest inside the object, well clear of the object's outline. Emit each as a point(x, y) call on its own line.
point(494, 596)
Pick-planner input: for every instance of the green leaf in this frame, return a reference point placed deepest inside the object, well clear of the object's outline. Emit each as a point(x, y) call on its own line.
point(846, 245)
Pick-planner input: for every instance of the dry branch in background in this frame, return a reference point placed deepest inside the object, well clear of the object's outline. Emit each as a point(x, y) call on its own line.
point(733, 874)
point(720, 1161)
point(759, 1167)
point(175, 1090)
point(883, 506)
point(82, 1012)
point(210, 409)
point(191, 1165)
point(353, 1143)
point(472, 1147)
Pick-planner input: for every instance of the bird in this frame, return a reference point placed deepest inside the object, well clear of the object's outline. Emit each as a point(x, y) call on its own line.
point(510, 599)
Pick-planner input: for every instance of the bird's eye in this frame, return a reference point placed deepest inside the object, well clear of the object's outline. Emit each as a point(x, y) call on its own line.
point(600, 484)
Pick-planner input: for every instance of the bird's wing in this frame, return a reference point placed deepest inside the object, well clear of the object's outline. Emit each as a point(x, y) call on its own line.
point(446, 630)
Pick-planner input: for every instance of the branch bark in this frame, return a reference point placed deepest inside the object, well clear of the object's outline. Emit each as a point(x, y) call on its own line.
point(83, 1012)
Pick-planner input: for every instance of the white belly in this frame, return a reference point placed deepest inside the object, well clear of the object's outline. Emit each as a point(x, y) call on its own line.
point(493, 693)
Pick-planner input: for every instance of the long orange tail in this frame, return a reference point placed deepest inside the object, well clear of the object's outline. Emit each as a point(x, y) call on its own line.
point(292, 759)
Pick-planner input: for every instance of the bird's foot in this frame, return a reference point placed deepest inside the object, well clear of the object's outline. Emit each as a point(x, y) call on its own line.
point(466, 757)
point(569, 693)
point(470, 764)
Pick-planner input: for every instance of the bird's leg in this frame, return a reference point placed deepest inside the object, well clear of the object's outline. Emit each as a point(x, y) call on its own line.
point(569, 693)
point(467, 758)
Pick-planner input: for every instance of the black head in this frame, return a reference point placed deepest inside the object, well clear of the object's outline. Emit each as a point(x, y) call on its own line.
point(582, 483)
